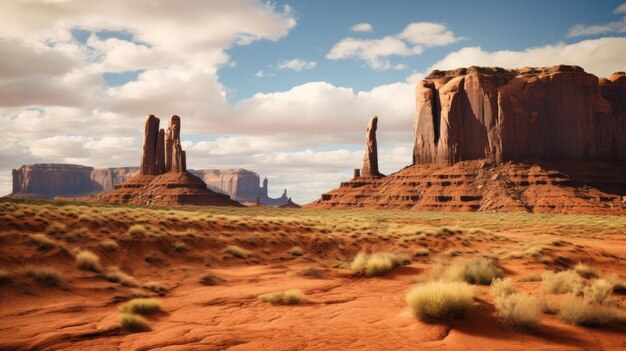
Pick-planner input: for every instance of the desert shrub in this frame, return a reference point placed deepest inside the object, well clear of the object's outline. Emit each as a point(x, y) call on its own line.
point(296, 251)
point(441, 301)
point(210, 279)
point(5, 276)
point(521, 310)
point(237, 251)
point(133, 322)
point(599, 291)
point(56, 229)
point(585, 271)
point(575, 310)
point(379, 263)
point(180, 246)
point(549, 306)
point(136, 231)
point(42, 241)
point(108, 245)
point(312, 272)
point(142, 306)
point(116, 276)
point(155, 287)
point(422, 251)
point(502, 287)
point(45, 276)
point(289, 297)
point(478, 270)
point(88, 261)
point(561, 283)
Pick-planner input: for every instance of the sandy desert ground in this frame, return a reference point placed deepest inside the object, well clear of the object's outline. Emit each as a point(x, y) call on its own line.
point(69, 270)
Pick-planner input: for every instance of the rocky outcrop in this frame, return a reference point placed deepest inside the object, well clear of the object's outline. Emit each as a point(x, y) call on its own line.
point(549, 113)
point(370, 160)
point(290, 204)
point(175, 186)
point(242, 185)
point(38, 180)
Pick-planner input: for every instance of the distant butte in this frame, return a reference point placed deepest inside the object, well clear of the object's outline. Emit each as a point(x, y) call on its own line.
point(163, 178)
point(547, 139)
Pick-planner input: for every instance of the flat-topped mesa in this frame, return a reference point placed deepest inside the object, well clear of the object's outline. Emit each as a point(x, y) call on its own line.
point(546, 113)
point(370, 160)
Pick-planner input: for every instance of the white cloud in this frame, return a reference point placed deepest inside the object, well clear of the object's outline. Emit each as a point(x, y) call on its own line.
point(296, 65)
point(611, 27)
point(598, 56)
point(410, 42)
point(362, 27)
point(260, 74)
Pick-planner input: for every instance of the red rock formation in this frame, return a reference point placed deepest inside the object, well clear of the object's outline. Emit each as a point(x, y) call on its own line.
point(160, 153)
point(370, 160)
point(614, 91)
point(290, 204)
point(241, 184)
point(150, 141)
point(542, 113)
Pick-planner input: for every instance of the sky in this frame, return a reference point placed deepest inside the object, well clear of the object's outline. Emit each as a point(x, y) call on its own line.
point(283, 88)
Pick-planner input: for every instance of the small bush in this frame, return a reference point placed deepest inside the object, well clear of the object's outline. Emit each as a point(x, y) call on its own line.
point(549, 306)
point(155, 287)
point(585, 271)
point(136, 231)
point(142, 306)
point(237, 251)
point(42, 241)
point(521, 310)
point(312, 272)
point(108, 245)
point(422, 251)
point(289, 297)
point(116, 276)
point(56, 229)
point(599, 291)
point(133, 322)
point(296, 251)
point(502, 287)
point(180, 246)
point(561, 283)
point(210, 279)
point(88, 261)
point(575, 310)
point(45, 276)
point(377, 264)
point(474, 271)
point(441, 301)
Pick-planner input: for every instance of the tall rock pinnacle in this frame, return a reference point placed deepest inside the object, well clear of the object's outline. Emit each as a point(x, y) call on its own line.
point(178, 162)
point(150, 141)
point(370, 161)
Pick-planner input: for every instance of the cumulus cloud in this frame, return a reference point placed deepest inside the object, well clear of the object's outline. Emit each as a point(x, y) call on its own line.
point(362, 27)
point(611, 27)
point(411, 41)
point(296, 65)
point(598, 56)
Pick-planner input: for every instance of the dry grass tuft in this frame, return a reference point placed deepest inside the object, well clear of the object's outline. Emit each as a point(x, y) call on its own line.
point(422, 251)
point(585, 271)
point(561, 283)
point(116, 276)
point(88, 261)
point(289, 297)
point(575, 310)
point(379, 263)
point(133, 322)
point(42, 241)
point(312, 272)
point(46, 276)
point(296, 251)
point(180, 246)
point(56, 229)
point(478, 270)
point(142, 306)
point(136, 231)
point(237, 251)
point(599, 291)
point(108, 245)
point(210, 279)
point(441, 301)
point(502, 287)
point(156, 288)
point(521, 310)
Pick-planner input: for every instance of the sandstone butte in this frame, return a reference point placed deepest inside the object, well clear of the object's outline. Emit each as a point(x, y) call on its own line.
point(545, 139)
point(163, 178)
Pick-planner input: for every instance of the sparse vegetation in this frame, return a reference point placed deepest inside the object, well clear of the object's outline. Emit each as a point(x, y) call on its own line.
point(56, 229)
point(42, 241)
point(133, 322)
point(46, 276)
point(575, 310)
point(117, 276)
point(237, 251)
point(312, 272)
point(289, 297)
point(502, 287)
point(156, 288)
point(478, 270)
point(599, 291)
point(296, 251)
point(441, 301)
point(108, 245)
point(521, 310)
point(422, 251)
point(379, 263)
point(585, 271)
point(180, 246)
point(210, 279)
point(142, 306)
point(88, 261)
point(561, 283)
point(137, 231)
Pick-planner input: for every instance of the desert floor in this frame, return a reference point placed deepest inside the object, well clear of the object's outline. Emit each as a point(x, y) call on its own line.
point(209, 265)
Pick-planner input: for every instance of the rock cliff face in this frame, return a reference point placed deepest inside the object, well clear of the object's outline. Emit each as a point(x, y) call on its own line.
point(242, 185)
point(553, 113)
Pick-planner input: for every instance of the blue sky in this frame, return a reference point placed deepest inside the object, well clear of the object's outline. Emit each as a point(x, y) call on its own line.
point(283, 88)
